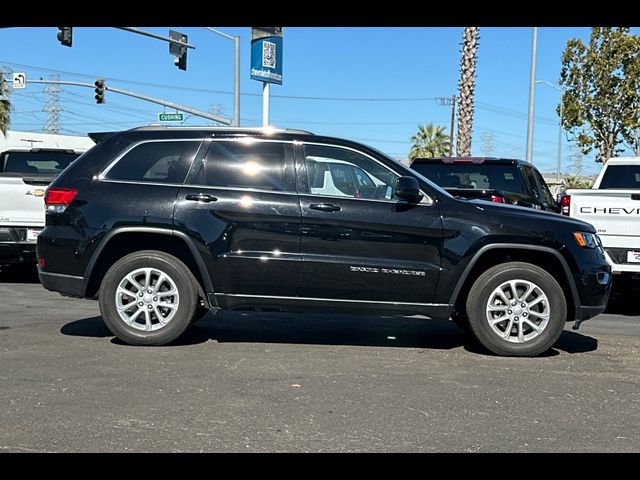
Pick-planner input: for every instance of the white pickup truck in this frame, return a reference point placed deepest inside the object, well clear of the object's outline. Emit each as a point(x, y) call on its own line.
point(612, 206)
point(28, 163)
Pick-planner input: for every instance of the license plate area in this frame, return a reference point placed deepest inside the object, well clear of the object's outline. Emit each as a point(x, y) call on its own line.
point(633, 256)
point(32, 234)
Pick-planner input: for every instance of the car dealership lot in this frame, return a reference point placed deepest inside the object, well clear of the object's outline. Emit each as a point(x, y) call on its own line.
point(264, 382)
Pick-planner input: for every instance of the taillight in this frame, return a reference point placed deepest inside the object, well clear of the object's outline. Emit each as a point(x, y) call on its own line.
point(565, 204)
point(58, 199)
point(498, 199)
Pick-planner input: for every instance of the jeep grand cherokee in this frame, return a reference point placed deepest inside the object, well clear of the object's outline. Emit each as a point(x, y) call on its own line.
point(163, 224)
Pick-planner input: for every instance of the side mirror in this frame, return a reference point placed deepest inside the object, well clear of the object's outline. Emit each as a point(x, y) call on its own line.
point(408, 190)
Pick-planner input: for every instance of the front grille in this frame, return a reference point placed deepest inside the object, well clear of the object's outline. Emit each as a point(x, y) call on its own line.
point(618, 255)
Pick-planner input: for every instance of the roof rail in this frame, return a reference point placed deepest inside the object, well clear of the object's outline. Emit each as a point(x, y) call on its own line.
point(222, 129)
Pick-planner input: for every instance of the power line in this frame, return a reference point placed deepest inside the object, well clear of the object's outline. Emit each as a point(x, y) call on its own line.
point(225, 92)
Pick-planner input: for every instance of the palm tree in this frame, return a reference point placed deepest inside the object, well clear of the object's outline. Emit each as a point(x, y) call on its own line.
point(5, 104)
point(430, 141)
point(573, 182)
point(467, 89)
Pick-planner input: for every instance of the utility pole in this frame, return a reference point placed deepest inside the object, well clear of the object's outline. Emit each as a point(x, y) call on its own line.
point(532, 80)
point(488, 139)
point(453, 119)
point(52, 107)
point(445, 102)
point(559, 159)
point(236, 73)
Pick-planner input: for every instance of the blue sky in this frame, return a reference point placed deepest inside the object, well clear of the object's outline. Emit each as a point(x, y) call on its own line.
point(372, 85)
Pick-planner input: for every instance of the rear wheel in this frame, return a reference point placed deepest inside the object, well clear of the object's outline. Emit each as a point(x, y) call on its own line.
point(516, 309)
point(148, 298)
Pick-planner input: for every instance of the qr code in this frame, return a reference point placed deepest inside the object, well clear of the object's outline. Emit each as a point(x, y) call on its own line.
point(268, 54)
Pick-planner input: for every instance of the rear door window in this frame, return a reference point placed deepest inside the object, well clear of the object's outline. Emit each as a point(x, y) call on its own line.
point(246, 163)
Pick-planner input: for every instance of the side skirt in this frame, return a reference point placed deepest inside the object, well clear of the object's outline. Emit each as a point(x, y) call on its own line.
point(302, 304)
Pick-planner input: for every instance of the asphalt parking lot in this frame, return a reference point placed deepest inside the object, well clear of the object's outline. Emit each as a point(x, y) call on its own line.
point(264, 382)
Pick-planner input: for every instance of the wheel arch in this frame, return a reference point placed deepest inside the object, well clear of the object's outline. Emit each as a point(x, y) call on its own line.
point(544, 257)
point(125, 240)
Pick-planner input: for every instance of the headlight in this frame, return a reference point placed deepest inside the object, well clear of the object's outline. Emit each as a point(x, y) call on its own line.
point(587, 240)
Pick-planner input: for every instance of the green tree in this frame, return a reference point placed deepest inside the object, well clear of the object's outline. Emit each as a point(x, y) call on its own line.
point(429, 141)
point(467, 88)
point(575, 182)
point(601, 98)
point(5, 104)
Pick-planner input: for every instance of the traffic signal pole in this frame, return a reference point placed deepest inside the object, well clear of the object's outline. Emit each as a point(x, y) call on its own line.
point(159, 101)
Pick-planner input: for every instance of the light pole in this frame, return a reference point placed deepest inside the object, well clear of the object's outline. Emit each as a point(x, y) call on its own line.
point(236, 75)
point(445, 102)
point(532, 77)
point(561, 90)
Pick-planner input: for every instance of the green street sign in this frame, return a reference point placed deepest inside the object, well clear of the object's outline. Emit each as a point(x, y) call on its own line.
point(170, 117)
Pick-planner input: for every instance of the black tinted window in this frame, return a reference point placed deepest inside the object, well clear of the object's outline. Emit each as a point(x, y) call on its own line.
point(38, 162)
point(546, 194)
point(236, 164)
point(533, 186)
point(164, 162)
point(621, 176)
point(504, 178)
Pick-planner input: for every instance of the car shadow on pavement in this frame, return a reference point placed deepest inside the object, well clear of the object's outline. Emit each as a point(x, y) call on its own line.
point(356, 330)
point(19, 274)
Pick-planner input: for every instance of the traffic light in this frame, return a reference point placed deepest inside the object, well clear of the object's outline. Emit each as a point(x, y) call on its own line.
point(178, 51)
point(65, 36)
point(99, 90)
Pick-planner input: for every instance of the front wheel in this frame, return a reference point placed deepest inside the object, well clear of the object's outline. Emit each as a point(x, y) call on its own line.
point(148, 298)
point(516, 309)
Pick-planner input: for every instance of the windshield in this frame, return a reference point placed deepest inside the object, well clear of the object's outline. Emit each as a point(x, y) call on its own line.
point(482, 176)
point(48, 163)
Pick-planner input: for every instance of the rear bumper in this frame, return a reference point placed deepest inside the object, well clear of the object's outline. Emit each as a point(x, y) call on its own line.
point(17, 252)
point(67, 285)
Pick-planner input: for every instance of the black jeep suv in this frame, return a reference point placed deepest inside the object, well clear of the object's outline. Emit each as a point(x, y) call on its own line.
point(163, 224)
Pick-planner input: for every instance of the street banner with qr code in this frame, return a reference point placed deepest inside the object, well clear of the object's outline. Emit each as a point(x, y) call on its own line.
point(266, 54)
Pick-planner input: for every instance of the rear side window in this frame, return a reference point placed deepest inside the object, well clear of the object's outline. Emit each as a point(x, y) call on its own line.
point(546, 194)
point(621, 176)
point(529, 178)
point(160, 162)
point(238, 164)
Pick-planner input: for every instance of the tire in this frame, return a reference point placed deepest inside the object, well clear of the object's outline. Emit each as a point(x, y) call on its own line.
point(541, 302)
point(162, 313)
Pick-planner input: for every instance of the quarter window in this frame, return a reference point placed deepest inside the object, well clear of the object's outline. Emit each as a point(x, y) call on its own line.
point(339, 172)
point(163, 162)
